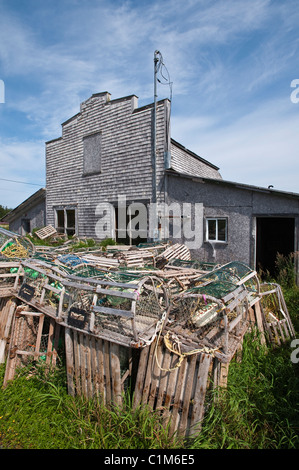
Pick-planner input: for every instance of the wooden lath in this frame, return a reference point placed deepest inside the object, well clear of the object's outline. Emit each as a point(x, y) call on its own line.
point(96, 367)
point(177, 392)
point(46, 232)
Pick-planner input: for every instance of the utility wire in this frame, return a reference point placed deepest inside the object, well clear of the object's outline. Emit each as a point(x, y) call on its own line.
point(160, 67)
point(21, 182)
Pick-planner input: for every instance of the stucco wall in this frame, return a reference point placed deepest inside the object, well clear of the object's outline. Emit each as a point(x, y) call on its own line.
point(239, 205)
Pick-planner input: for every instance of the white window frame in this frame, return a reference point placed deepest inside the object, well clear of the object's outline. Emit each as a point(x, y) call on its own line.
point(216, 219)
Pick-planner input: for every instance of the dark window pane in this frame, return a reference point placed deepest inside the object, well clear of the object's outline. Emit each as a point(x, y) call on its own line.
point(211, 229)
point(222, 230)
point(60, 221)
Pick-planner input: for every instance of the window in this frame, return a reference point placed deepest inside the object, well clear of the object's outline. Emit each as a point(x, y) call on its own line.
point(216, 230)
point(65, 221)
point(131, 225)
point(92, 154)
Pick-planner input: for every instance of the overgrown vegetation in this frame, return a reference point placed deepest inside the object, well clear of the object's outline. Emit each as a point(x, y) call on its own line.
point(259, 409)
point(4, 210)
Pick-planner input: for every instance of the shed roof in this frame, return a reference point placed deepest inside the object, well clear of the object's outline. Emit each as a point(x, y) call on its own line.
point(30, 202)
point(222, 182)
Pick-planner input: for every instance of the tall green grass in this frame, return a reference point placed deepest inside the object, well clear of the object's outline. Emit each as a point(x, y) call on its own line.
point(260, 407)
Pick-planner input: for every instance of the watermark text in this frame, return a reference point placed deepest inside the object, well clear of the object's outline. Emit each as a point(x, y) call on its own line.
point(155, 221)
point(295, 94)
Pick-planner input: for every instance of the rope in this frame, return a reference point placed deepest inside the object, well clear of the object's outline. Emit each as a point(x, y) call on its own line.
point(15, 251)
point(171, 347)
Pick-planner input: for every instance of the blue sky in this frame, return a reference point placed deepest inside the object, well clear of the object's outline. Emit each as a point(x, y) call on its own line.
point(231, 64)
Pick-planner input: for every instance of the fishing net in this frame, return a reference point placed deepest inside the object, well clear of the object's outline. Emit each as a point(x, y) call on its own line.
point(13, 246)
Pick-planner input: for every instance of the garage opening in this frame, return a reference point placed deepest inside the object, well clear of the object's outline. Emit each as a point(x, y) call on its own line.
point(274, 235)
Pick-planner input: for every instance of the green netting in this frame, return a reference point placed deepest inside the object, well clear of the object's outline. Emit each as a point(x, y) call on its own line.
point(193, 264)
point(217, 289)
point(223, 280)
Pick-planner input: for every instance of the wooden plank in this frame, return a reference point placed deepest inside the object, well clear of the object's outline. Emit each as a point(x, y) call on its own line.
point(259, 321)
point(10, 308)
point(83, 364)
point(148, 375)
point(69, 354)
point(89, 375)
point(140, 377)
point(187, 395)
point(179, 393)
point(113, 311)
point(156, 371)
point(107, 372)
point(100, 361)
point(115, 373)
point(117, 293)
point(171, 387)
point(76, 346)
point(200, 392)
point(39, 335)
point(164, 378)
point(55, 342)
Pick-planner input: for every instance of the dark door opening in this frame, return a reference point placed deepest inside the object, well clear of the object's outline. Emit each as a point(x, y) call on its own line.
point(123, 233)
point(274, 235)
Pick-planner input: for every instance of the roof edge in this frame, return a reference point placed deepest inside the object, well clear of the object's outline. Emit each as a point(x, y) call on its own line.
point(233, 183)
point(198, 157)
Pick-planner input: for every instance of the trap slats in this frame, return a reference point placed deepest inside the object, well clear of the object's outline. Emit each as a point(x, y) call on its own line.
point(94, 367)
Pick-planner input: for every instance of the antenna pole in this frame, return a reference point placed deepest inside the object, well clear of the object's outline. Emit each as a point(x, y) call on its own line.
point(156, 60)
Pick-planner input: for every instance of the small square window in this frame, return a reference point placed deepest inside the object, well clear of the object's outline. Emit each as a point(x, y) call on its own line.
point(216, 229)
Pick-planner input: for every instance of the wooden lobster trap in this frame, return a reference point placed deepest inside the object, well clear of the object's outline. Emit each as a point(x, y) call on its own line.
point(34, 336)
point(10, 276)
point(116, 307)
point(127, 313)
point(13, 245)
point(277, 322)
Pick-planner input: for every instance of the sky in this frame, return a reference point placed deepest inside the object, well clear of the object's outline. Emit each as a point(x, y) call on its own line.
point(233, 66)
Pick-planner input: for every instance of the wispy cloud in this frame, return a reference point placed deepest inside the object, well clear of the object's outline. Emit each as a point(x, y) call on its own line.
point(228, 61)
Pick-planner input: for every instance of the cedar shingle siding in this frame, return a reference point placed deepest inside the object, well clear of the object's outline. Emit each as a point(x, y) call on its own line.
point(105, 151)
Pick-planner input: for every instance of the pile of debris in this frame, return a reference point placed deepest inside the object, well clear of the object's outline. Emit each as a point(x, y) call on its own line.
point(178, 313)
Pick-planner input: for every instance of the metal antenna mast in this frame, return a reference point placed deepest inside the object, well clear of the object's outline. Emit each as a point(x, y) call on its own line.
point(156, 61)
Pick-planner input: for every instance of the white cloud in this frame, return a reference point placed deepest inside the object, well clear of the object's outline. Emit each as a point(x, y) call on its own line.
point(260, 148)
point(223, 57)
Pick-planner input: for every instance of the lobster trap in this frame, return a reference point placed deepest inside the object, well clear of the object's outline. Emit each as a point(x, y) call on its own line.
point(35, 337)
point(277, 321)
point(117, 307)
point(14, 246)
point(213, 315)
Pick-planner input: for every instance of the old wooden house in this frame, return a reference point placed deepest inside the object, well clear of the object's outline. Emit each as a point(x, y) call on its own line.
point(117, 153)
point(29, 215)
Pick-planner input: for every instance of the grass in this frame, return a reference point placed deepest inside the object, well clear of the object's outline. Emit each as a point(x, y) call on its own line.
point(37, 413)
point(258, 410)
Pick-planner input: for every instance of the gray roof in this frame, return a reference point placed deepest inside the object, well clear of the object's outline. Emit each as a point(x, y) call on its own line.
point(187, 162)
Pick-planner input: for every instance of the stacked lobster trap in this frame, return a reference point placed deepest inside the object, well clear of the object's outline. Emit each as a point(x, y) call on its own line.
point(114, 306)
point(170, 330)
point(214, 312)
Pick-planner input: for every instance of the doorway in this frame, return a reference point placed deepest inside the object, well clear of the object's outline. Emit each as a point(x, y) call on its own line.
point(274, 235)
